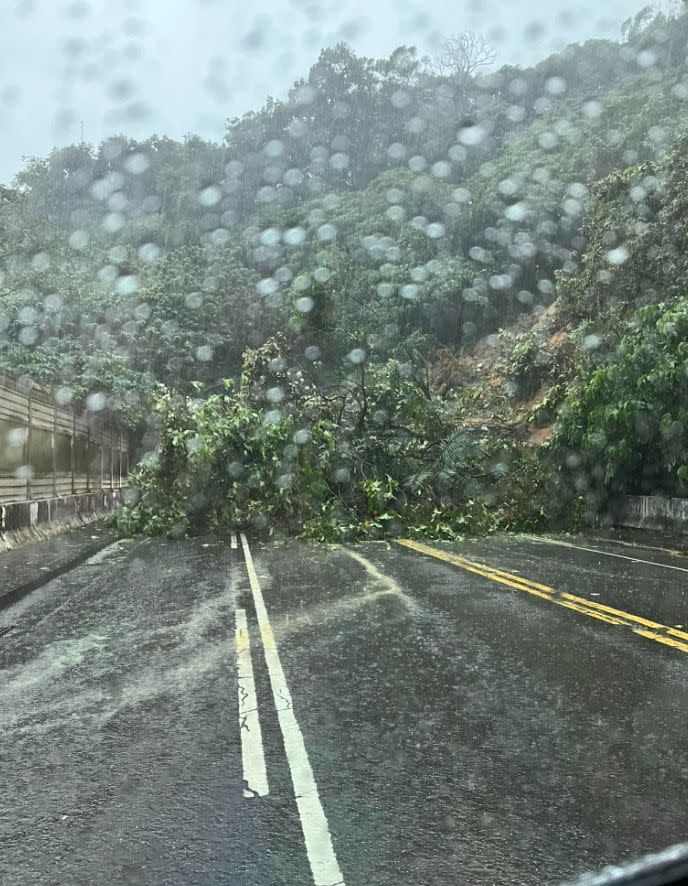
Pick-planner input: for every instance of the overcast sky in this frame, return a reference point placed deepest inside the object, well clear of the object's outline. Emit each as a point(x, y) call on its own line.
point(178, 66)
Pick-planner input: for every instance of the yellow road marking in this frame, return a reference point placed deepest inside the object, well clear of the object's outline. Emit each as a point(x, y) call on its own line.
point(652, 630)
point(659, 639)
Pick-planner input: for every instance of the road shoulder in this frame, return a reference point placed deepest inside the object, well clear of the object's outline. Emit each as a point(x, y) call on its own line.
point(26, 568)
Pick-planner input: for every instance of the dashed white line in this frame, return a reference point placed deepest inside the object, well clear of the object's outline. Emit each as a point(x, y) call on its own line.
point(316, 833)
point(233, 541)
point(252, 754)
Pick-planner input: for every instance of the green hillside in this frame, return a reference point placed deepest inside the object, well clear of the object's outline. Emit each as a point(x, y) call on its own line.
point(300, 310)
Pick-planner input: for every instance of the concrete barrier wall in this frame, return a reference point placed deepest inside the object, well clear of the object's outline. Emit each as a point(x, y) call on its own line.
point(654, 512)
point(26, 521)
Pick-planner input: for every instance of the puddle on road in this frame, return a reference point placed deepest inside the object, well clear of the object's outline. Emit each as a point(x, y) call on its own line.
point(49, 665)
point(86, 682)
point(179, 680)
point(39, 695)
point(103, 554)
point(376, 586)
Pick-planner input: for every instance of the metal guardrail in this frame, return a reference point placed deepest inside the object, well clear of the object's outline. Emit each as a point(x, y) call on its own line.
point(51, 451)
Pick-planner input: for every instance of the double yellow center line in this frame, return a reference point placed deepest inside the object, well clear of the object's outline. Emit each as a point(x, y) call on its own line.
point(652, 630)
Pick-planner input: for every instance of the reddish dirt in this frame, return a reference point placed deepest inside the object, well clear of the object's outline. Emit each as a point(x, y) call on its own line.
point(454, 370)
point(540, 435)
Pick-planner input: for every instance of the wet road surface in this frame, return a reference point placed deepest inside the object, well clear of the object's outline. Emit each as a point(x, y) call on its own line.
point(502, 710)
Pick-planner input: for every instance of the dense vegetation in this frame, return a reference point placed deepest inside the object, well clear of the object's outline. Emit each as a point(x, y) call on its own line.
point(299, 312)
point(624, 424)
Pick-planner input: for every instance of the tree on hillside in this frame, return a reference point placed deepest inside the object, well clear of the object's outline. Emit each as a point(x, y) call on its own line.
point(462, 54)
point(356, 107)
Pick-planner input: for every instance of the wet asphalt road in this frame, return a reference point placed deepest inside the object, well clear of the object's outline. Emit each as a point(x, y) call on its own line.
point(460, 730)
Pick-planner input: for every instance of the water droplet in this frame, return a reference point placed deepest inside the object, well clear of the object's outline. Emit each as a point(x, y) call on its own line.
point(457, 153)
point(416, 125)
point(40, 262)
point(113, 222)
point(646, 59)
point(274, 148)
point(28, 335)
point(267, 286)
point(617, 256)
point(436, 230)
point(271, 236)
point(555, 85)
point(327, 232)
point(275, 395)
point(293, 178)
point(273, 417)
point(137, 163)
point(401, 99)
point(78, 240)
point(210, 196)
point(441, 169)
point(96, 402)
point(304, 94)
point(592, 110)
point(193, 444)
point(396, 151)
point(356, 356)
point(517, 211)
point(294, 236)
point(396, 214)
point(471, 135)
point(548, 140)
point(127, 284)
point(302, 282)
point(305, 304)
point(148, 252)
point(680, 91)
point(339, 161)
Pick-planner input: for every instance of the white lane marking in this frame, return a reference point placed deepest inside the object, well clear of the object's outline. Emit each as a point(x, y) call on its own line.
point(252, 754)
point(388, 583)
point(233, 541)
point(316, 833)
point(671, 552)
point(566, 544)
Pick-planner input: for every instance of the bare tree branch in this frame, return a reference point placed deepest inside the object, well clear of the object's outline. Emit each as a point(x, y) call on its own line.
point(462, 54)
